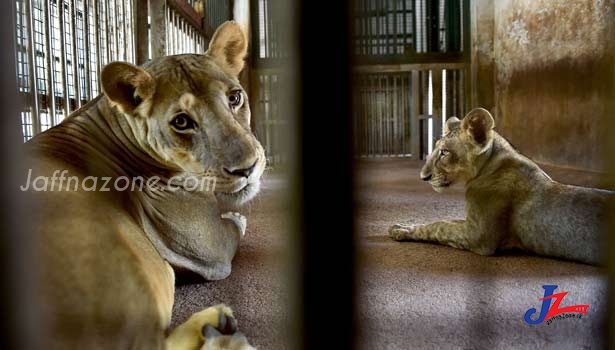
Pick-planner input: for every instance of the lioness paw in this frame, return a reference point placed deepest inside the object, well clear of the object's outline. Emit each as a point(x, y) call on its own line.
point(401, 232)
point(213, 322)
point(225, 334)
point(239, 220)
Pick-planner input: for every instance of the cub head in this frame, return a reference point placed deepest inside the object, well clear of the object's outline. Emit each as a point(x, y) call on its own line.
point(191, 115)
point(455, 156)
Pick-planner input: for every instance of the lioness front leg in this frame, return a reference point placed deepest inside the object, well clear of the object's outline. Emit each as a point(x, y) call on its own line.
point(457, 234)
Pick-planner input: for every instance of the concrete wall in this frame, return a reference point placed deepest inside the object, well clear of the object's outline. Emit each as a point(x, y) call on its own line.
point(552, 76)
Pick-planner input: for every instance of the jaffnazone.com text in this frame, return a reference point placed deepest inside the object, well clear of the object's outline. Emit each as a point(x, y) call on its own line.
point(120, 183)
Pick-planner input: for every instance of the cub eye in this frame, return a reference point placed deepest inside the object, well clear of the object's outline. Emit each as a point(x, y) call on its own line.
point(182, 122)
point(444, 152)
point(235, 98)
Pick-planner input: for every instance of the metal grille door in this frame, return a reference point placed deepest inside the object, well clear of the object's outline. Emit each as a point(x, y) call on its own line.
point(382, 114)
point(61, 47)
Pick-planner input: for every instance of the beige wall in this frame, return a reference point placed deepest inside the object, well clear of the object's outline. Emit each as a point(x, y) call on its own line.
point(550, 63)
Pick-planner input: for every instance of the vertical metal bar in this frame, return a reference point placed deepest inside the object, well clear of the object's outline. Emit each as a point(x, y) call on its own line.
point(386, 107)
point(374, 109)
point(385, 110)
point(366, 113)
point(414, 115)
point(142, 32)
point(466, 87)
point(36, 124)
point(158, 27)
point(106, 49)
point(76, 82)
point(170, 39)
point(405, 116)
point(378, 27)
point(97, 39)
point(61, 26)
point(396, 33)
point(120, 29)
point(379, 113)
point(393, 115)
point(128, 19)
point(266, 94)
point(109, 49)
point(436, 84)
point(50, 60)
point(395, 107)
point(364, 16)
point(374, 28)
point(371, 107)
point(116, 31)
point(369, 115)
point(173, 31)
point(87, 49)
point(130, 30)
point(180, 33)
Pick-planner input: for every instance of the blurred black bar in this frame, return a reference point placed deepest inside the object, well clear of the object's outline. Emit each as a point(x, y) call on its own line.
point(326, 163)
point(17, 307)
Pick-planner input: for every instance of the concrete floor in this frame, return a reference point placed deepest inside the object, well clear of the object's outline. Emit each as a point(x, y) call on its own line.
point(427, 296)
point(410, 295)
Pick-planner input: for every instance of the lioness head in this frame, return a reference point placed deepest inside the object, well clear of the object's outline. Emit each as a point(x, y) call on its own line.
point(189, 113)
point(454, 158)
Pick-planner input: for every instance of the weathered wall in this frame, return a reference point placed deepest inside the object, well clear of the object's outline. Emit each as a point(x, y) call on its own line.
point(553, 85)
point(483, 64)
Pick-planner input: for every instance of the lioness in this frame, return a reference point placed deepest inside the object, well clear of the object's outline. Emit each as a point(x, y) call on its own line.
point(510, 201)
point(132, 184)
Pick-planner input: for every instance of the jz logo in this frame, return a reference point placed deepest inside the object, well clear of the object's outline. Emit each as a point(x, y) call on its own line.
point(549, 311)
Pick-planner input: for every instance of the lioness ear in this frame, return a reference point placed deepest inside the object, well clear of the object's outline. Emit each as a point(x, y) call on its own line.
point(228, 47)
point(127, 85)
point(479, 124)
point(452, 123)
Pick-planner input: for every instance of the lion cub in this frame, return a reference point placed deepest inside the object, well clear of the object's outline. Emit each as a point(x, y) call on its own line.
point(510, 201)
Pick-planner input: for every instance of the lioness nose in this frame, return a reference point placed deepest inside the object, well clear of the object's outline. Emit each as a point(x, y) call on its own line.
point(426, 177)
point(243, 172)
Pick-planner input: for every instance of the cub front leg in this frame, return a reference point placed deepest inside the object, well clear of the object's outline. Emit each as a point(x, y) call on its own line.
point(458, 234)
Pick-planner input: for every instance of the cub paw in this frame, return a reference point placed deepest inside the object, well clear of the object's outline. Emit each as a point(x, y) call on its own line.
point(401, 232)
point(239, 220)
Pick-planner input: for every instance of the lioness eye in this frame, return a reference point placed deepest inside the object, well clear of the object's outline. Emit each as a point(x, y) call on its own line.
point(444, 152)
point(234, 98)
point(182, 122)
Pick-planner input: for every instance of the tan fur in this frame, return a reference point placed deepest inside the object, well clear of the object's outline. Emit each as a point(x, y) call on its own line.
point(106, 254)
point(229, 47)
point(510, 201)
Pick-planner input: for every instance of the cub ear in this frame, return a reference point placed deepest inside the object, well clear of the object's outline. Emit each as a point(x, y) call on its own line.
point(452, 123)
point(478, 125)
point(127, 85)
point(228, 47)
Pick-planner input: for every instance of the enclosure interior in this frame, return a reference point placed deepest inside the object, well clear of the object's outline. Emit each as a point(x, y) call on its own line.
point(543, 68)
